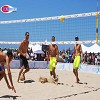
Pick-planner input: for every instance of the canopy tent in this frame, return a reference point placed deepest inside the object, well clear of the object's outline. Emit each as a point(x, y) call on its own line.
point(35, 47)
point(39, 52)
point(94, 48)
point(84, 48)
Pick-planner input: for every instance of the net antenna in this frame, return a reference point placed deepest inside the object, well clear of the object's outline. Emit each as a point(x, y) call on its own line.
point(97, 14)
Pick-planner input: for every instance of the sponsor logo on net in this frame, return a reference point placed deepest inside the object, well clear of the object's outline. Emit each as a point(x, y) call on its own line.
point(8, 9)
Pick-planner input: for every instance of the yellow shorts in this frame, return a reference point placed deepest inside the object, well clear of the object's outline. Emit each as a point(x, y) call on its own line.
point(52, 63)
point(76, 62)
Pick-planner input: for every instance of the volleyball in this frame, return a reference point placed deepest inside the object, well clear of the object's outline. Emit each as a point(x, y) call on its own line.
point(62, 18)
point(43, 80)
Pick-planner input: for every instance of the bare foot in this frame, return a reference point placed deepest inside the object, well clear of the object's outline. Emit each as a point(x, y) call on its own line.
point(78, 81)
point(23, 76)
point(18, 80)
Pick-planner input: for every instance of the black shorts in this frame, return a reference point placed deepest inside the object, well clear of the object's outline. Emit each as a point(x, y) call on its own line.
point(2, 68)
point(24, 62)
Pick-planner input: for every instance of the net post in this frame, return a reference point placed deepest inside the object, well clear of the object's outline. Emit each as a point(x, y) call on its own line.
point(97, 14)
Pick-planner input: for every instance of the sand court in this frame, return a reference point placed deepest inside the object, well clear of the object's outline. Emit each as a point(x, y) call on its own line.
point(67, 89)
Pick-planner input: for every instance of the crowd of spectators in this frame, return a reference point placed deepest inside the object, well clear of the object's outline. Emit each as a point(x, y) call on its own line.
point(91, 58)
point(65, 56)
point(86, 58)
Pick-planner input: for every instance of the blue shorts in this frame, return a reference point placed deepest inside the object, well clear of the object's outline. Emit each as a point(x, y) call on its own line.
point(1, 68)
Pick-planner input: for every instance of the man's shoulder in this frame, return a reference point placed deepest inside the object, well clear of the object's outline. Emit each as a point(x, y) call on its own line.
point(77, 45)
point(2, 53)
point(24, 41)
point(50, 45)
point(56, 46)
point(3, 56)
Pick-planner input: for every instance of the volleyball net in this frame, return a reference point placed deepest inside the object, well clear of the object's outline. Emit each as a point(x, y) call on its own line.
point(42, 29)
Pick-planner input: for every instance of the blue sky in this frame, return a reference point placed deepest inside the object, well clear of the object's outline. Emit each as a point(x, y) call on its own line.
point(46, 8)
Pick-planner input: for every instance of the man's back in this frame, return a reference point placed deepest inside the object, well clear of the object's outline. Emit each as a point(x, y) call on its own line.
point(2, 57)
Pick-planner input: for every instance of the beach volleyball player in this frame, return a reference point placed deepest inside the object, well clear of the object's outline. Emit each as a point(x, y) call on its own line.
point(23, 60)
point(77, 58)
point(53, 54)
point(5, 59)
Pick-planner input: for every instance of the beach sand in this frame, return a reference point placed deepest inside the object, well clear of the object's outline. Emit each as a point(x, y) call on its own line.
point(67, 88)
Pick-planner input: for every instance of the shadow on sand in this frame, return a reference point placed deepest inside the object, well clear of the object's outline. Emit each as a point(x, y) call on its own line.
point(29, 81)
point(10, 96)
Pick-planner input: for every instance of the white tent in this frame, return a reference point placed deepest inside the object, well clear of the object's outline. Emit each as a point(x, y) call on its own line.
point(94, 48)
point(35, 47)
point(84, 48)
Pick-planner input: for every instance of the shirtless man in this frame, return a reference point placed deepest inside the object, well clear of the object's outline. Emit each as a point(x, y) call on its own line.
point(53, 53)
point(23, 60)
point(5, 59)
point(77, 59)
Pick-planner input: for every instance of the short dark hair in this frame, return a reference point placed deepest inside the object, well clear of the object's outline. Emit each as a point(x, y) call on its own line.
point(53, 36)
point(76, 38)
point(9, 53)
point(27, 33)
